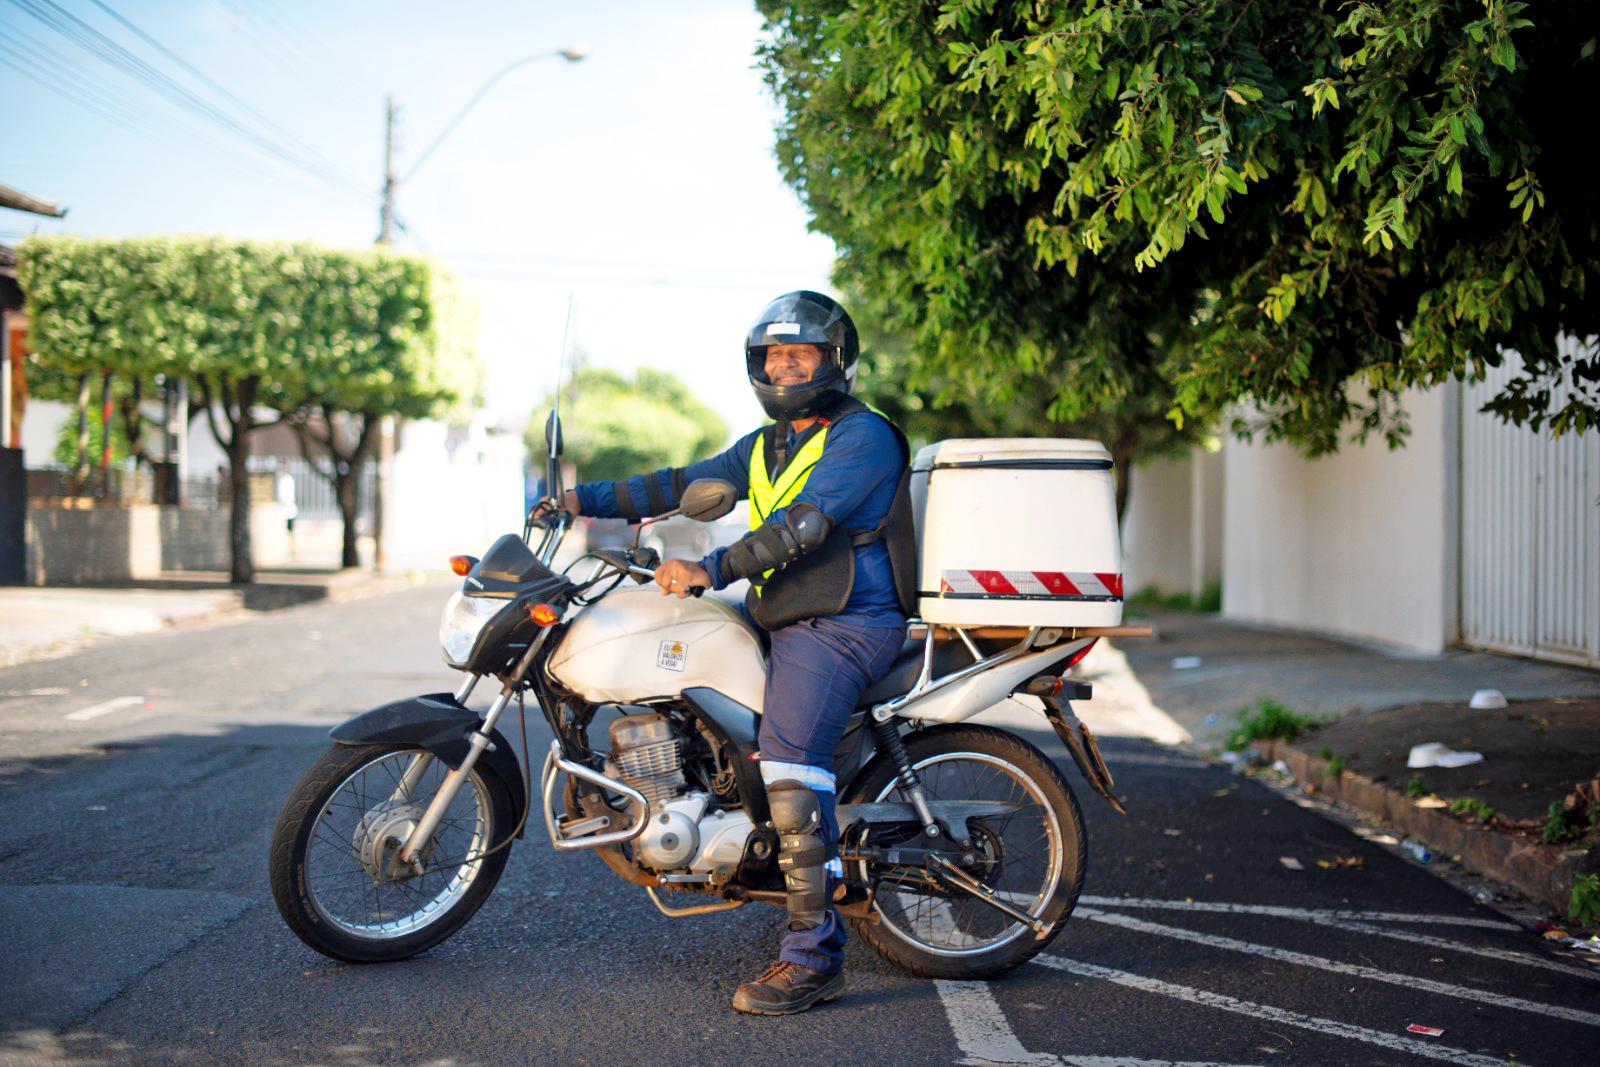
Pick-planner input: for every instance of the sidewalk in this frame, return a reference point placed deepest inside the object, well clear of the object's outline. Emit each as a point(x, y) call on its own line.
point(42, 622)
point(1201, 670)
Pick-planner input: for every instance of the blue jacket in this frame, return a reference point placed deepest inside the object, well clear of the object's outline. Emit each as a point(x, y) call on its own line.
point(853, 484)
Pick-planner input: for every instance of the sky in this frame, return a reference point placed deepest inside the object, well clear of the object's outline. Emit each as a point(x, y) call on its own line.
point(639, 183)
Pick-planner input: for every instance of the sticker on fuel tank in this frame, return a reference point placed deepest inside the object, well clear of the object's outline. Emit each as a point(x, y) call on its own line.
point(672, 657)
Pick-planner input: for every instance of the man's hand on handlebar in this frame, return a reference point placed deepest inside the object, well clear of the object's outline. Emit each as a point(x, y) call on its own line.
point(544, 512)
point(680, 578)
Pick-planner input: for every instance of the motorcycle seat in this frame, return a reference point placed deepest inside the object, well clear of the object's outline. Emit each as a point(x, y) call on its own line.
point(902, 674)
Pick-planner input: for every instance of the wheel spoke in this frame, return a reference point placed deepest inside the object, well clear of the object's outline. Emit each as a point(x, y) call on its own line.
point(1019, 856)
point(343, 888)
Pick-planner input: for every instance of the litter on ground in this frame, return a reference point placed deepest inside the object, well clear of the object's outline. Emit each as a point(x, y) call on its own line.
point(1435, 754)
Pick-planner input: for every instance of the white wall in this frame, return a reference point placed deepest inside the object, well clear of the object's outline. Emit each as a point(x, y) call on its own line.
point(1360, 543)
point(41, 423)
point(1172, 531)
point(43, 419)
point(451, 492)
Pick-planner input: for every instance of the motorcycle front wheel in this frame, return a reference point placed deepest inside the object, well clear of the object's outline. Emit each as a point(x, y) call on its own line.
point(334, 865)
point(1033, 857)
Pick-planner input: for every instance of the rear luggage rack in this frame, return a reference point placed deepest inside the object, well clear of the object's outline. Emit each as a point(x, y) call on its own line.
point(1053, 634)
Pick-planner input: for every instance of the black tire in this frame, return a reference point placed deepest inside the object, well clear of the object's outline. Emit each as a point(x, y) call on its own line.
point(955, 935)
point(340, 822)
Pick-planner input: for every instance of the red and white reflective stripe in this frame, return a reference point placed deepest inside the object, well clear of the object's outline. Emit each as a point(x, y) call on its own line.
point(1032, 583)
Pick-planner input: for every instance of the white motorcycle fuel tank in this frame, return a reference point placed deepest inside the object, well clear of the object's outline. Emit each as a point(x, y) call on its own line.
point(637, 644)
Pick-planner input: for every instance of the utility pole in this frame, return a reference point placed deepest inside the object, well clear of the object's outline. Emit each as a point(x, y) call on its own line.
point(388, 425)
point(385, 458)
point(386, 214)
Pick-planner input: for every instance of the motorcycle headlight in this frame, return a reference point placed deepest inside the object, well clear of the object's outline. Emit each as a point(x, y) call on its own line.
point(464, 618)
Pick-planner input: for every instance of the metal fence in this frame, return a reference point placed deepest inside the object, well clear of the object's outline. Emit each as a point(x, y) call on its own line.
point(1530, 534)
point(313, 492)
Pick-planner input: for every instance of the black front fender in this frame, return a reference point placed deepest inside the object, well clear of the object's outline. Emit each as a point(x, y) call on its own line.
point(438, 723)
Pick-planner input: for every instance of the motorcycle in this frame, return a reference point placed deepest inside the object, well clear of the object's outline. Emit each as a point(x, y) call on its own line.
point(962, 845)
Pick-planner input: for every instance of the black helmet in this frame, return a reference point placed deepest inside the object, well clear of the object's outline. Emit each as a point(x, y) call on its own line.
point(798, 318)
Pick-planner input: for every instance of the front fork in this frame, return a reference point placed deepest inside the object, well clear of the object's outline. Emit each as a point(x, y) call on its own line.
point(476, 746)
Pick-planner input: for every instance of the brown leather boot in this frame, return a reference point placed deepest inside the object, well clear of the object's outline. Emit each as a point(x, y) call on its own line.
point(787, 988)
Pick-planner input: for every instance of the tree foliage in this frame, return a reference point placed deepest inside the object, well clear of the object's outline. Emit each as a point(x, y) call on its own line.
point(251, 326)
point(615, 427)
point(1306, 207)
point(929, 408)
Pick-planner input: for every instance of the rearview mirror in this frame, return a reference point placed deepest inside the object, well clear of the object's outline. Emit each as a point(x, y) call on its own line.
point(552, 434)
point(708, 498)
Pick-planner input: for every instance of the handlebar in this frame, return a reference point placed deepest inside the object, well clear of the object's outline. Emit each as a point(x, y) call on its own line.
point(622, 563)
point(544, 514)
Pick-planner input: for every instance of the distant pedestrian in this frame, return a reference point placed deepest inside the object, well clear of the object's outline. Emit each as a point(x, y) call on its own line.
point(285, 494)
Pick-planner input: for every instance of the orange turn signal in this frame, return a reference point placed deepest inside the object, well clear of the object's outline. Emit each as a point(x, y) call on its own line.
point(544, 615)
point(460, 565)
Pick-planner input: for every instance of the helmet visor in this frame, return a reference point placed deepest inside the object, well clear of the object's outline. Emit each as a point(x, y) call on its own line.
point(756, 358)
point(801, 318)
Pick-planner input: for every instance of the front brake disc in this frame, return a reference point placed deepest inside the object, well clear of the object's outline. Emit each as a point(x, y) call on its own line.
point(382, 833)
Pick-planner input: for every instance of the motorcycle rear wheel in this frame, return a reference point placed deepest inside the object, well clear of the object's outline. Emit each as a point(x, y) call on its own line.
point(332, 850)
point(1034, 857)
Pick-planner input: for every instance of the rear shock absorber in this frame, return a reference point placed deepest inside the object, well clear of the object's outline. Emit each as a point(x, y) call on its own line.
point(887, 734)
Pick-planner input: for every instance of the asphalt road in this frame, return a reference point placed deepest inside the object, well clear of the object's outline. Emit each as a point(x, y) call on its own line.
point(140, 780)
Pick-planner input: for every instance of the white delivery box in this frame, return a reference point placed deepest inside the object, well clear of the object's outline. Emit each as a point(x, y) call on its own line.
point(1017, 532)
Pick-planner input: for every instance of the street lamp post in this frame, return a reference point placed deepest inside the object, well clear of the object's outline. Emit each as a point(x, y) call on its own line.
point(571, 53)
point(386, 224)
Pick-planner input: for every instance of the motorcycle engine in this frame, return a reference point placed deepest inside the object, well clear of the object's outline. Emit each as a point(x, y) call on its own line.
point(645, 754)
point(644, 750)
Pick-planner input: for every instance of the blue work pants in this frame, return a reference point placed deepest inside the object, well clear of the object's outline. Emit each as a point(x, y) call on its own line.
point(816, 671)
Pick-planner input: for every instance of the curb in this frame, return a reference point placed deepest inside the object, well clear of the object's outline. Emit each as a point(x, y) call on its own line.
point(1542, 872)
point(214, 605)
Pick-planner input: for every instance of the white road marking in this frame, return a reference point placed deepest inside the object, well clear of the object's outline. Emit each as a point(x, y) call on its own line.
point(1356, 970)
point(114, 704)
point(1116, 759)
point(1309, 914)
point(1267, 1013)
point(984, 1037)
point(1444, 944)
point(980, 1027)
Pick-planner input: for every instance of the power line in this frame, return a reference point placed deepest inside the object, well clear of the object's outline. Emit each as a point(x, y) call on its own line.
point(51, 79)
point(308, 45)
point(98, 44)
point(86, 91)
point(199, 75)
point(283, 47)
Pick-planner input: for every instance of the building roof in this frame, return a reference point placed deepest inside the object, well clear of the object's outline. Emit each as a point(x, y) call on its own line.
point(11, 198)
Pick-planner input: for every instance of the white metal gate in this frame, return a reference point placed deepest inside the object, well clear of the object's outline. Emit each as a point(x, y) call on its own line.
point(1530, 535)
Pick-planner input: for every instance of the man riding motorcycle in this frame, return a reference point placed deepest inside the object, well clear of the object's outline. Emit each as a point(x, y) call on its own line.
point(831, 560)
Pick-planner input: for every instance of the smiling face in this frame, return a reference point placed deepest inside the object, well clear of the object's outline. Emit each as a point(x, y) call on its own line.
point(792, 364)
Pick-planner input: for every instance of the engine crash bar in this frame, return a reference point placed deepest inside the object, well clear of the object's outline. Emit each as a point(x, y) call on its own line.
point(554, 764)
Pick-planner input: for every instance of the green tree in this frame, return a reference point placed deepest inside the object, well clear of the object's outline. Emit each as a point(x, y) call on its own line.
point(400, 339)
point(254, 328)
point(615, 427)
point(929, 403)
point(1305, 207)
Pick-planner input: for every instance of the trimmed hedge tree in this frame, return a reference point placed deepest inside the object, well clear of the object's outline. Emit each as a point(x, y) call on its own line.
point(253, 326)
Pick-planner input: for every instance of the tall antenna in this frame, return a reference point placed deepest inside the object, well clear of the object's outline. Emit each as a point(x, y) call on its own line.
point(552, 427)
point(561, 361)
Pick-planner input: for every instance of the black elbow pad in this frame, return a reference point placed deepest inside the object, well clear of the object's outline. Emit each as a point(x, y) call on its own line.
point(773, 545)
point(808, 526)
